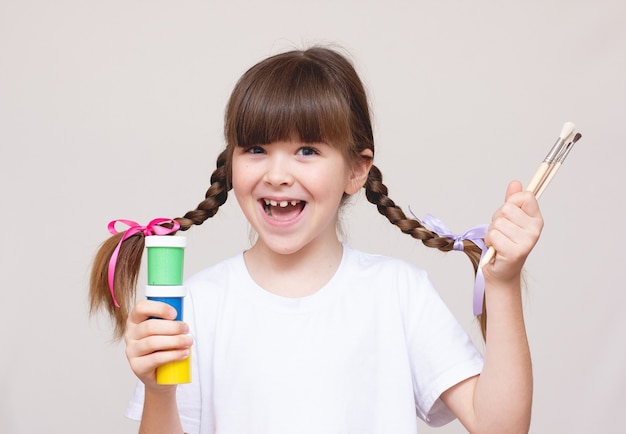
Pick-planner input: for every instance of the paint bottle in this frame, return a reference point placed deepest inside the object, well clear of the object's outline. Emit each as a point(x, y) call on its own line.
point(165, 284)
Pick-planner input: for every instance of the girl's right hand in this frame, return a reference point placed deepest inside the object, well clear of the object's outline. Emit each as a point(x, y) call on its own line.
point(152, 342)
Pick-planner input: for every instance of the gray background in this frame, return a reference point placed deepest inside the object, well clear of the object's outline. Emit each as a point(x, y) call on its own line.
point(113, 109)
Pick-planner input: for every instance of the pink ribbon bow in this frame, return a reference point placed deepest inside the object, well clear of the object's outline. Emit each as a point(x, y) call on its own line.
point(152, 228)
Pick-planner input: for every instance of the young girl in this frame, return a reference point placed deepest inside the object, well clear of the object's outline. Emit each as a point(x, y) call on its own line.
point(300, 333)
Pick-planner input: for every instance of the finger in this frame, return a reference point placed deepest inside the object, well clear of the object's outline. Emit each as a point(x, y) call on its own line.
point(152, 327)
point(161, 327)
point(156, 326)
point(521, 209)
point(514, 222)
point(512, 188)
point(507, 227)
point(157, 343)
point(513, 231)
point(527, 202)
point(516, 194)
point(145, 312)
point(146, 365)
point(512, 212)
point(146, 309)
point(510, 241)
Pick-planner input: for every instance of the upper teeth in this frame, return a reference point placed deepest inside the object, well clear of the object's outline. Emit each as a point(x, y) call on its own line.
point(282, 203)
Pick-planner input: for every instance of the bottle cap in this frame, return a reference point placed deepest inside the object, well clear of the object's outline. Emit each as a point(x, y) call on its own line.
point(165, 291)
point(166, 241)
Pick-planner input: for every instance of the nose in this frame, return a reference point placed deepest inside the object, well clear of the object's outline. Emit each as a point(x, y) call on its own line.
point(278, 172)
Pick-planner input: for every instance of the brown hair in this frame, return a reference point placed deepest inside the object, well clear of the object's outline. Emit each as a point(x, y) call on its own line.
point(315, 94)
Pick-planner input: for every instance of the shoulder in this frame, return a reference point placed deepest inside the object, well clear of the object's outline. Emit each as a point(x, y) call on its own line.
point(370, 265)
point(217, 275)
point(390, 277)
point(208, 290)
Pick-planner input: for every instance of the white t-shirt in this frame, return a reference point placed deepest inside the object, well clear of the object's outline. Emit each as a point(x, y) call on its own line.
point(367, 353)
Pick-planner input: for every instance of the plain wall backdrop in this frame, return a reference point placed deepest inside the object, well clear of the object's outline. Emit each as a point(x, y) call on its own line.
point(113, 109)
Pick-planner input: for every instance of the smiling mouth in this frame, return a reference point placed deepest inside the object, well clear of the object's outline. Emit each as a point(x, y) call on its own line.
point(284, 209)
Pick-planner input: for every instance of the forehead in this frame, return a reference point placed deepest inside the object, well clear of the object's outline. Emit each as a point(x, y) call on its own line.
point(284, 100)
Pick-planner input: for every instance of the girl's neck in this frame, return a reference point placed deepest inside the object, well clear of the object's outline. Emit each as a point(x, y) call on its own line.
point(298, 274)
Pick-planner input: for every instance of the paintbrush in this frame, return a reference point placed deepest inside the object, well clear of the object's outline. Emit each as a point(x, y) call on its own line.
point(560, 148)
point(557, 164)
point(544, 168)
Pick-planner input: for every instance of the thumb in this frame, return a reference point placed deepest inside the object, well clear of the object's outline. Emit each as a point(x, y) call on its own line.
point(514, 187)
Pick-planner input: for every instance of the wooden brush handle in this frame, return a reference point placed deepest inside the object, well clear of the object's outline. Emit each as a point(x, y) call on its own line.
point(538, 178)
point(553, 170)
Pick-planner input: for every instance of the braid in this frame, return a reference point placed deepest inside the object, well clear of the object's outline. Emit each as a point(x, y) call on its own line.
point(131, 251)
point(215, 196)
point(376, 193)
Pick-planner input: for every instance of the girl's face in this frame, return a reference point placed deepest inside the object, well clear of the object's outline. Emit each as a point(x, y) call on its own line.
point(291, 191)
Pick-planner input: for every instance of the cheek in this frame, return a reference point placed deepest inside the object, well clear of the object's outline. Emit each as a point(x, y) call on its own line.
point(242, 190)
point(339, 177)
point(240, 179)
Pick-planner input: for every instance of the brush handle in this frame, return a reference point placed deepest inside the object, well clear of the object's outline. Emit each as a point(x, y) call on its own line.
point(549, 177)
point(488, 257)
point(538, 178)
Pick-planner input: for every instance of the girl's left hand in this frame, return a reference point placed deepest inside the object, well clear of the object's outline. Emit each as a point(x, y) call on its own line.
point(513, 232)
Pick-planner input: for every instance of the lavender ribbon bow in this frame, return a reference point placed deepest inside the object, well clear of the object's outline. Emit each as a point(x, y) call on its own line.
point(475, 235)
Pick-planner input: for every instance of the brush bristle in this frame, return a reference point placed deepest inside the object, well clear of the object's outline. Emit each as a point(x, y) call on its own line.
point(567, 130)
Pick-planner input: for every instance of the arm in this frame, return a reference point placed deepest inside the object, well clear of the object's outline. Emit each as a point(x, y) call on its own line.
point(160, 412)
point(151, 343)
point(499, 399)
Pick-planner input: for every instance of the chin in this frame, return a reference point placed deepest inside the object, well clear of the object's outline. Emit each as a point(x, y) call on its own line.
point(282, 248)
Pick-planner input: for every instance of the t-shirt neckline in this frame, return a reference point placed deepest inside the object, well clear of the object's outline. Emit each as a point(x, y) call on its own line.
point(293, 304)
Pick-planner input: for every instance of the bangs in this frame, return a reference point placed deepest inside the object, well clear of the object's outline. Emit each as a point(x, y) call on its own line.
point(289, 99)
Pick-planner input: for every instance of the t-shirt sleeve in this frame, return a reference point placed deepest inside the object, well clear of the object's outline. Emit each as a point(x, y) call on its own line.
point(440, 351)
point(187, 395)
